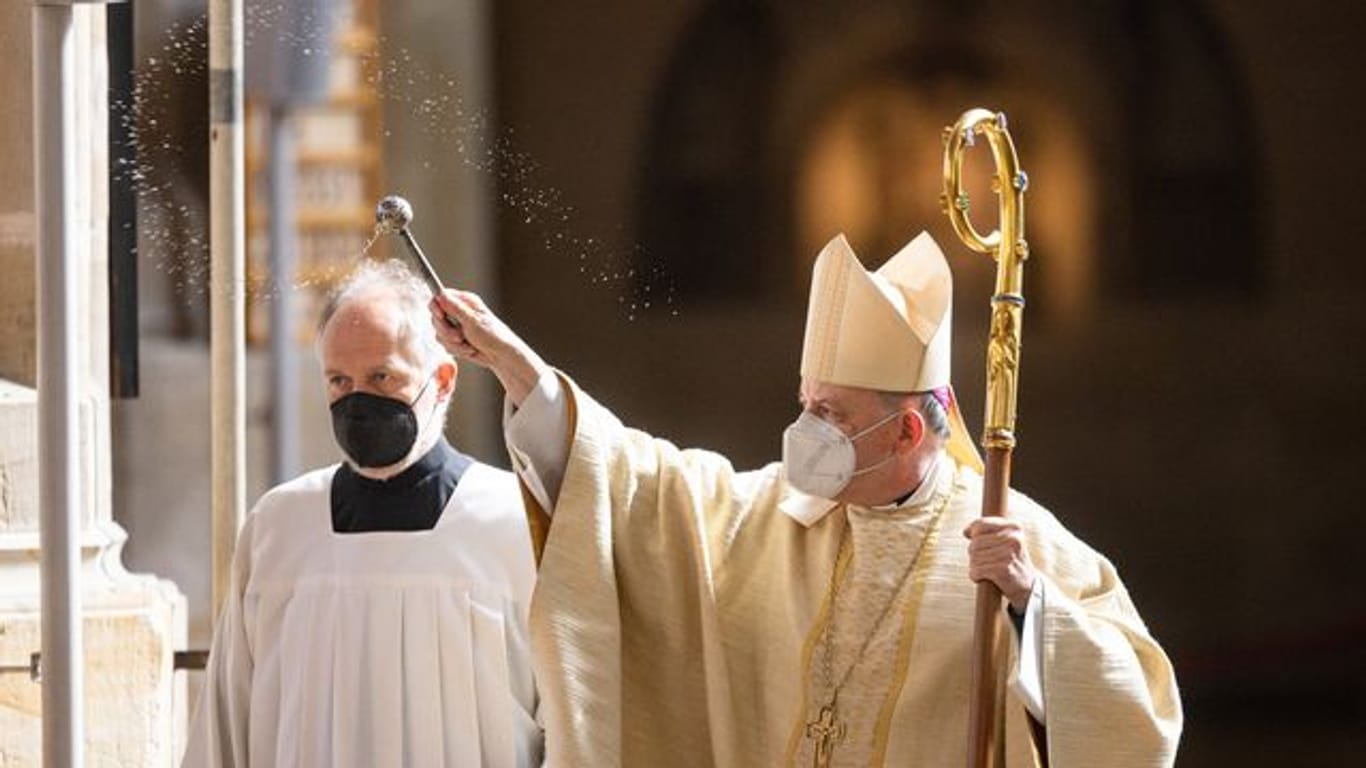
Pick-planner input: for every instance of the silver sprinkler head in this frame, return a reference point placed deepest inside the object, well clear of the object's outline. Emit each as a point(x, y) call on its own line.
point(393, 215)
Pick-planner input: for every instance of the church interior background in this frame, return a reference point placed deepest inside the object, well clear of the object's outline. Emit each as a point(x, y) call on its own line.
point(640, 188)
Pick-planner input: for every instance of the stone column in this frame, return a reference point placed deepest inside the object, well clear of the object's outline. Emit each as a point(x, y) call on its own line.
point(135, 703)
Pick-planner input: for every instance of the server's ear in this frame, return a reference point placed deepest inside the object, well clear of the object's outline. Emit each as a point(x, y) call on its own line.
point(446, 374)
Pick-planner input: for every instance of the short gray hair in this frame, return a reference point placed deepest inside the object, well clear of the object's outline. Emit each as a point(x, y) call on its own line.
point(927, 403)
point(412, 295)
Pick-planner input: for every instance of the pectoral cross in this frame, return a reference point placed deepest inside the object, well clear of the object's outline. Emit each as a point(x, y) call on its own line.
point(827, 732)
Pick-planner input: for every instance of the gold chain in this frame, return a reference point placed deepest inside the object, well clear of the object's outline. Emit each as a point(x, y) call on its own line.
point(828, 635)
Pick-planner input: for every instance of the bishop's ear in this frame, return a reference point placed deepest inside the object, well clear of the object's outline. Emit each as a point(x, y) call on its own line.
point(912, 430)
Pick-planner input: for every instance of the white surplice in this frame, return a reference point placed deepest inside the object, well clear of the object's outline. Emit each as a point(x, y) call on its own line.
point(386, 648)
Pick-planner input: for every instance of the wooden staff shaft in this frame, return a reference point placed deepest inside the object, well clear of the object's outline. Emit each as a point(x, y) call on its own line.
point(982, 712)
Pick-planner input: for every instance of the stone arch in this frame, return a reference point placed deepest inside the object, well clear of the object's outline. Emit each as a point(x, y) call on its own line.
point(1130, 116)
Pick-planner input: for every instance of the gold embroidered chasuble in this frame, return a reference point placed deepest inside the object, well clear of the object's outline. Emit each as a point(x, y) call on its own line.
point(680, 619)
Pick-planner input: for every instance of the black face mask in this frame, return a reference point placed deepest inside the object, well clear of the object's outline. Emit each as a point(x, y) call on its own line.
point(375, 431)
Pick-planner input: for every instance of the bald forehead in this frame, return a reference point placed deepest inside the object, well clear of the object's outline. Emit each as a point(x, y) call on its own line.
point(374, 306)
point(369, 318)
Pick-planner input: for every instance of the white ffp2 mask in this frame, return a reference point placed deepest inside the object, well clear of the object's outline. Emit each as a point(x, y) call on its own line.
point(819, 458)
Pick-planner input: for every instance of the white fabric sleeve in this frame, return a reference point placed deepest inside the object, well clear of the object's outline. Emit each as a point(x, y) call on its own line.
point(218, 735)
point(537, 436)
point(1026, 680)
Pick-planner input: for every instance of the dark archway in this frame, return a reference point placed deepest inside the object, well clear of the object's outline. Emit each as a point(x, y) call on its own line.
point(702, 193)
point(1197, 190)
point(1176, 210)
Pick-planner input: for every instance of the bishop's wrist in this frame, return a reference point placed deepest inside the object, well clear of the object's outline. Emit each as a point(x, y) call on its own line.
point(518, 368)
point(1018, 600)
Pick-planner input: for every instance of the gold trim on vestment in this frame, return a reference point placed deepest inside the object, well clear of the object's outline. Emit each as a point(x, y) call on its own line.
point(538, 522)
point(812, 637)
point(537, 518)
point(882, 729)
point(911, 613)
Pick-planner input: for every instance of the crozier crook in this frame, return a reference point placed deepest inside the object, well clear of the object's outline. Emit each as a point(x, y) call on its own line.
point(1008, 247)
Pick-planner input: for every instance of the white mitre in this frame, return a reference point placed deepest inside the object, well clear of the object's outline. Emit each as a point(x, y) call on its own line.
point(887, 330)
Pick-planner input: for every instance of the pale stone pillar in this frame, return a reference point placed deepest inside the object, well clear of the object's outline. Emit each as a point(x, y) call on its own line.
point(135, 704)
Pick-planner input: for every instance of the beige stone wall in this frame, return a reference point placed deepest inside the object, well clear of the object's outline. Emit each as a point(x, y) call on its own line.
point(135, 704)
point(18, 357)
point(132, 717)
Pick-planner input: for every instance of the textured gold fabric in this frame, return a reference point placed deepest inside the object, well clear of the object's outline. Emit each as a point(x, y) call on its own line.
point(678, 619)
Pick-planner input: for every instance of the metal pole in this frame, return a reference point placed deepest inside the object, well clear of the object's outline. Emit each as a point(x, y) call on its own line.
point(54, 172)
point(227, 319)
point(282, 244)
point(123, 206)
